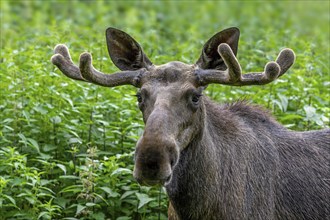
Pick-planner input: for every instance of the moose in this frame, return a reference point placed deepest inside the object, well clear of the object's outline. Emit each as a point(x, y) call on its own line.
point(231, 161)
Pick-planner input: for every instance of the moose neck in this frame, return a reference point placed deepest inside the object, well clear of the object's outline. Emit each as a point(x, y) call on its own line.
point(193, 179)
point(208, 182)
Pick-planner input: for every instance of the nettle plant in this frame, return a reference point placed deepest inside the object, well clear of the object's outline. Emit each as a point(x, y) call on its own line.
point(230, 161)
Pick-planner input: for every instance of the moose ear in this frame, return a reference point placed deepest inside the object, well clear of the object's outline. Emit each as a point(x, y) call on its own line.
point(124, 51)
point(210, 58)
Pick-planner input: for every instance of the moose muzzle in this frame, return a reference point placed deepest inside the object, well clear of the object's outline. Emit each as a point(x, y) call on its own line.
point(154, 161)
point(156, 152)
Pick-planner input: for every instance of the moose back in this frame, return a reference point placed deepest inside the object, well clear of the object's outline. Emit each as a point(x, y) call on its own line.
point(231, 161)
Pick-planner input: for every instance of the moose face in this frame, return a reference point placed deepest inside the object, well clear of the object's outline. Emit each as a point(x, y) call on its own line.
point(170, 95)
point(171, 105)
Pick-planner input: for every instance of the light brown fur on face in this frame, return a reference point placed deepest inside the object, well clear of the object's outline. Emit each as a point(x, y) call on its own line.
point(231, 161)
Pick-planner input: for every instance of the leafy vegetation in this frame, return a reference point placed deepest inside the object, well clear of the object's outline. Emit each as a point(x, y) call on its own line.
point(67, 147)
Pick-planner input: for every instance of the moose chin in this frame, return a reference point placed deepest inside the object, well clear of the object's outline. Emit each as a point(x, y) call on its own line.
point(229, 161)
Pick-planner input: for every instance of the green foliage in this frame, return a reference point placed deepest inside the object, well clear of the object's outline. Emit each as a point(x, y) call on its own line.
point(66, 147)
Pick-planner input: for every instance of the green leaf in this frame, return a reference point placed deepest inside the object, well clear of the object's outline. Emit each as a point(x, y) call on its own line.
point(127, 193)
point(143, 199)
point(80, 208)
point(69, 177)
point(61, 201)
point(123, 218)
point(99, 216)
point(73, 189)
point(30, 200)
point(55, 119)
point(33, 143)
point(67, 99)
point(110, 192)
point(121, 171)
point(284, 102)
point(291, 117)
point(41, 110)
point(90, 204)
point(74, 141)
point(27, 116)
point(62, 167)
point(310, 111)
point(42, 214)
point(23, 139)
point(10, 199)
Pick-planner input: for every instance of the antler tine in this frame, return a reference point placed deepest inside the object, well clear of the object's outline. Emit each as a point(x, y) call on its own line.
point(86, 72)
point(285, 59)
point(62, 60)
point(233, 76)
point(109, 80)
point(229, 76)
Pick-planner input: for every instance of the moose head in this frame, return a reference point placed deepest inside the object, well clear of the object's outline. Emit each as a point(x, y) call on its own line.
point(170, 95)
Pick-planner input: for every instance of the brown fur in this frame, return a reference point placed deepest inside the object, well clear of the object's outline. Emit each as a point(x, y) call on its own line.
point(247, 166)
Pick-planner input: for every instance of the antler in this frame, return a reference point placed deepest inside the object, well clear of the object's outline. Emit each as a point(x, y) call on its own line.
point(233, 74)
point(86, 72)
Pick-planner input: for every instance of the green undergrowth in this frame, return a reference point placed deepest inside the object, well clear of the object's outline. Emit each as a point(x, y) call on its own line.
point(66, 147)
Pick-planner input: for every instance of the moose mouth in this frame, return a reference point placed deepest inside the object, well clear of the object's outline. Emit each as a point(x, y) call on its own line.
point(154, 182)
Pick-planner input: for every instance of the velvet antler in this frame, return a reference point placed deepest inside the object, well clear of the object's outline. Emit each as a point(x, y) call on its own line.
point(233, 74)
point(86, 72)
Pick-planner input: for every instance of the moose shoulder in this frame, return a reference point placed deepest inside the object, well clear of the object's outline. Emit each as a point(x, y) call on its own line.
point(229, 161)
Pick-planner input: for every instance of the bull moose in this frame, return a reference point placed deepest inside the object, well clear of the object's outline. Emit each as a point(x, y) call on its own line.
point(231, 161)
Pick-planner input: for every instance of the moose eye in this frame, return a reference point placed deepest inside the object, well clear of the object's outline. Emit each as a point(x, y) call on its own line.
point(139, 97)
point(195, 98)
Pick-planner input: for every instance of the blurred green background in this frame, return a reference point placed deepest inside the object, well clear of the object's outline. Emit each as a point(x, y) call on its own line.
point(66, 147)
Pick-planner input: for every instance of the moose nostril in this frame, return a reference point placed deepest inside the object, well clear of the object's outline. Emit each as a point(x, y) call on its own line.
point(168, 178)
point(152, 165)
point(172, 162)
